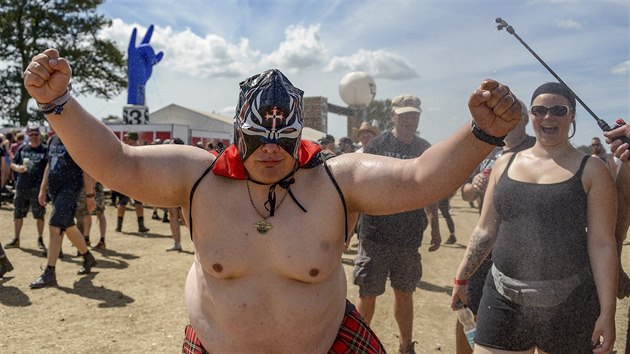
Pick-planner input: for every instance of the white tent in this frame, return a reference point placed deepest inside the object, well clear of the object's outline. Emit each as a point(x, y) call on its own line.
point(209, 125)
point(201, 124)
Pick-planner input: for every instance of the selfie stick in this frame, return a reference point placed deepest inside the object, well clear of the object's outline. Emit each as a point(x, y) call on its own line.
point(602, 124)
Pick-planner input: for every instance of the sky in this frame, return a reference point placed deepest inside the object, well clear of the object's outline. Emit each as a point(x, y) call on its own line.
point(437, 50)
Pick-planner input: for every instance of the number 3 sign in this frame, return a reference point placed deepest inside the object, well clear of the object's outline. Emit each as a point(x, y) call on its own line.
point(135, 114)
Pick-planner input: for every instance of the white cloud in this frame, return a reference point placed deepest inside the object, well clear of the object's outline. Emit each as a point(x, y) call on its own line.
point(380, 64)
point(301, 48)
point(621, 69)
point(569, 24)
point(187, 53)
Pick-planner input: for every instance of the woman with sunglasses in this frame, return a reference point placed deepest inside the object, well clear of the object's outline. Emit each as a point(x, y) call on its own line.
point(549, 218)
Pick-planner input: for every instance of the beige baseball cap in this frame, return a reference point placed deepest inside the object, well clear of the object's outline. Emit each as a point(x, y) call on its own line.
point(406, 103)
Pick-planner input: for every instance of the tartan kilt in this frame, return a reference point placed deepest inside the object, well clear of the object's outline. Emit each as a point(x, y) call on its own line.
point(354, 337)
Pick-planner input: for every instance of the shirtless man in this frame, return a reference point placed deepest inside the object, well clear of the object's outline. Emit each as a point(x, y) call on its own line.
point(270, 279)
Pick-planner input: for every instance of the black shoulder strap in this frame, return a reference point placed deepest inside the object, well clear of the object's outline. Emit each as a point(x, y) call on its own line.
point(343, 200)
point(192, 192)
point(582, 164)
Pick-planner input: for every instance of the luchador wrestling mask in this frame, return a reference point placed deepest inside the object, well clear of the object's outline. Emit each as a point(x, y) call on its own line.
point(270, 110)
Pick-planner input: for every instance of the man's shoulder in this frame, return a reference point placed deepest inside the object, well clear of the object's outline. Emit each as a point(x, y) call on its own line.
point(383, 136)
point(422, 141)
point(378, 141)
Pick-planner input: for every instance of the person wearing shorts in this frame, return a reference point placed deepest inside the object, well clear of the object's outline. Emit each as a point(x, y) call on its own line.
point(29, 164)
point(130, 138)
point(63, 180)
point(84, 217)
point(121, 204)
point(388, 245)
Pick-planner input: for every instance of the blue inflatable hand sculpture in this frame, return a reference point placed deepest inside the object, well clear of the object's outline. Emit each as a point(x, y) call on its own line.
point(140, 63)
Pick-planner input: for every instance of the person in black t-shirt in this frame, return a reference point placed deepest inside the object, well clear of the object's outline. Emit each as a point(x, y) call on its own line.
point(388, 244)
point(63, 179)
point(29, 164)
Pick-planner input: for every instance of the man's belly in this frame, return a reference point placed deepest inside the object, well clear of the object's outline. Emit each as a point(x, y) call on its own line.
point(265, 312)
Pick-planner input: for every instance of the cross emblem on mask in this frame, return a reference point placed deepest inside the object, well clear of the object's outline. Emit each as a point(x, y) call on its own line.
point(273, 115)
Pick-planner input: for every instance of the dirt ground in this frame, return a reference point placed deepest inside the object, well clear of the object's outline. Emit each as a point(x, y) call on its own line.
point(133, 301)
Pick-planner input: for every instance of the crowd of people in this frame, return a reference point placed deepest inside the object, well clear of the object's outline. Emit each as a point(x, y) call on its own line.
point(541, 270)
point(43, 172)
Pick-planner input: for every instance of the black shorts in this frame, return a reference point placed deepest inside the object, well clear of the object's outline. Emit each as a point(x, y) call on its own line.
point(563, 329)
point(474, 290)
point(25, 199)
point(64, 201)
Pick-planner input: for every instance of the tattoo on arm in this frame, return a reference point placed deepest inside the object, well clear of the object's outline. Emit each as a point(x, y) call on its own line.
point(481, 245)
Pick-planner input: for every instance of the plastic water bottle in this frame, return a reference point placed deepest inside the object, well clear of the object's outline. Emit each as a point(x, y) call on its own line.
point(467, 319)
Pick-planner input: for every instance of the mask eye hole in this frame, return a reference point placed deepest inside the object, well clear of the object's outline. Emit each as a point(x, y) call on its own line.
point(255, 130)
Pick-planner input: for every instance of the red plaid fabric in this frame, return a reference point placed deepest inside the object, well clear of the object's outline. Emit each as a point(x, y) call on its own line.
point(354, 337)
point(192, 345)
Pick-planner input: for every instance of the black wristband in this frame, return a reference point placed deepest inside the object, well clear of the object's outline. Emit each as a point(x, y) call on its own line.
point(485, 137)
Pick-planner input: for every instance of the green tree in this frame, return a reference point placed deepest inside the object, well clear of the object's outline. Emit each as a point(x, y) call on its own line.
point(585, 149)
point(379, 110)
point(27, 27)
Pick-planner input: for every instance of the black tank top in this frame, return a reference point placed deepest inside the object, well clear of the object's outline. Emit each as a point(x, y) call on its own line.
point(542, 235)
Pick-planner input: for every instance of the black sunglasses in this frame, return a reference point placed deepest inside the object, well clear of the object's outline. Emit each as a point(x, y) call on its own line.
point(556, 111)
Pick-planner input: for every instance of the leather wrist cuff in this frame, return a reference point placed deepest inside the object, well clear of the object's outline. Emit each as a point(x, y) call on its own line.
point(56, 105)
point(485, 137)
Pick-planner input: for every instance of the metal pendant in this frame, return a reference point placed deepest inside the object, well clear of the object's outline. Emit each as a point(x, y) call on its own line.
point(263, 226)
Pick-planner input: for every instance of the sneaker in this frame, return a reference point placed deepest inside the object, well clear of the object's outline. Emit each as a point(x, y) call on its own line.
point(40, 244)
point(15, 243)
point(142, 229)
point(174, 247)
point(100, 245)
point(5, 266)
point(451, 240)
point(45, 280)
point(88, 263)
point(409, 350)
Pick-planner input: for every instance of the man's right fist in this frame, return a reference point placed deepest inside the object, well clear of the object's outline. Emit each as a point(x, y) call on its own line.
point(47, 76)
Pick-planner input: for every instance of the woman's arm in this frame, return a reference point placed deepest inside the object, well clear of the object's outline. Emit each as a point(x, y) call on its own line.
point(623, 223)
point(482, 238)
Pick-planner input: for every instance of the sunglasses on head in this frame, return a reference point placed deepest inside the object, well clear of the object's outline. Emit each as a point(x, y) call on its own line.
point(556, 111)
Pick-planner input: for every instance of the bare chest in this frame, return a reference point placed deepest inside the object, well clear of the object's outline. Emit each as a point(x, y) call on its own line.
point(298, 245)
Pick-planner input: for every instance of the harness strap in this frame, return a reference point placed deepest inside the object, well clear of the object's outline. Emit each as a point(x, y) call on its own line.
point(343, 200)
point(192, 192)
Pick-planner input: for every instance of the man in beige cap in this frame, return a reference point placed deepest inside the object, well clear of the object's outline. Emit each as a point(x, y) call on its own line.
point(388, 244)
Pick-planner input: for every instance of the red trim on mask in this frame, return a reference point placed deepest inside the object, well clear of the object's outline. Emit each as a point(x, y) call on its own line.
point(229, 163)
